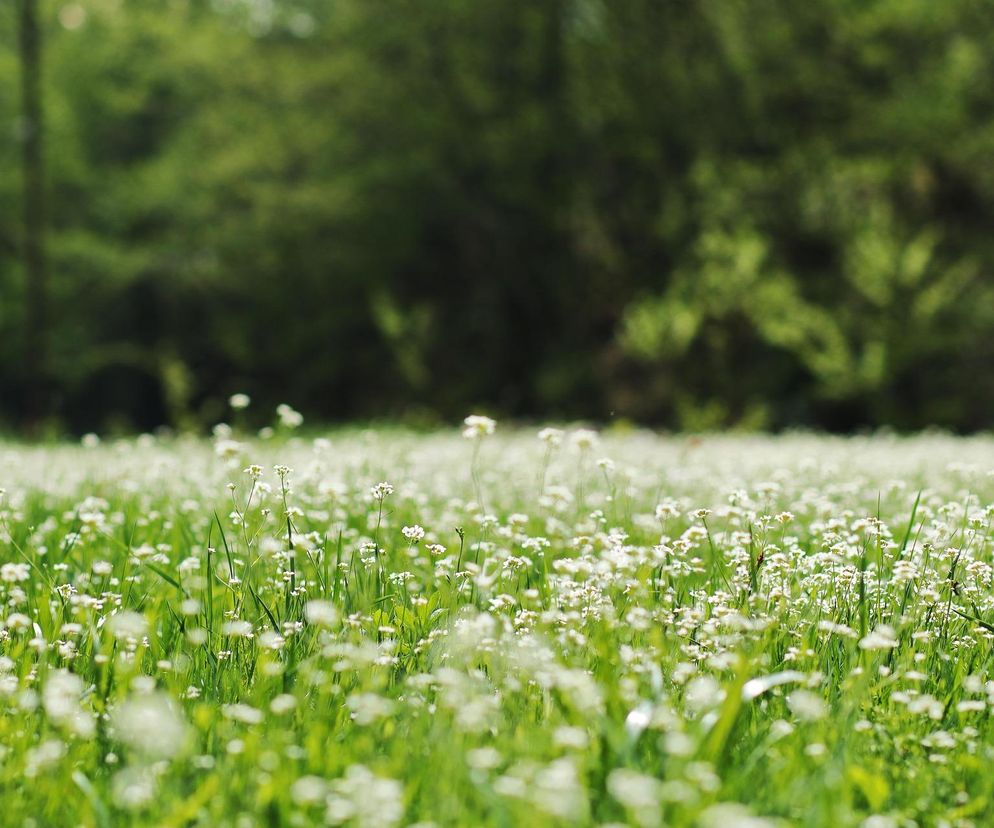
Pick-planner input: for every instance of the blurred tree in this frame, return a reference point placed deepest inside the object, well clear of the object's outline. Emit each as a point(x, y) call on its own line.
point(700, 214)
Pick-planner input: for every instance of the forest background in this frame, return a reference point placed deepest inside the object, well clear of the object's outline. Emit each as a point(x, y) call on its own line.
point(692, 215)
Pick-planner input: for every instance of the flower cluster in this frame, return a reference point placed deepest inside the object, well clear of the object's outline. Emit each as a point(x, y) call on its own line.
point(724, 631)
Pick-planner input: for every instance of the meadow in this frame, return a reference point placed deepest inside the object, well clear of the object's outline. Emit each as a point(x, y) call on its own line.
point(497, 627)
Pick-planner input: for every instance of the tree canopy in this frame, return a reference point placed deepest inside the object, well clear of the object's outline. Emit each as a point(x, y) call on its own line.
point(691, 214)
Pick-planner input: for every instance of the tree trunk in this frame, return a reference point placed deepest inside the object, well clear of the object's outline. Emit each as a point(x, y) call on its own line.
point(35, 268)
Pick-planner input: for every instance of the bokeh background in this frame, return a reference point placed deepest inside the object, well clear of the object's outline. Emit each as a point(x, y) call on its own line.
point(690, 214)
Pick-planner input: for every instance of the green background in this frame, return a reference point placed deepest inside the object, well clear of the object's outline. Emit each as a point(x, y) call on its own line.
point(686, 213)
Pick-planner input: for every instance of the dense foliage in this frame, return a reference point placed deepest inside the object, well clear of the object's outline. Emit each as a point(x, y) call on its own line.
point(381, 629)
point(756, 212)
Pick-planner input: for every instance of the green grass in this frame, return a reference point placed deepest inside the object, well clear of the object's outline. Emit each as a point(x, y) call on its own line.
point(710, 631)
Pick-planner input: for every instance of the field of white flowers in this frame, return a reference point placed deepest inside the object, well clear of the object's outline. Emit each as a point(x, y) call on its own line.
point(381, 629)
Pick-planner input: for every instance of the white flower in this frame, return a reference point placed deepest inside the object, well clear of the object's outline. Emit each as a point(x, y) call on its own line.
point(321, 613)
point(757, 686)
point(368, 800)
point(558, 790)
point(61, 697)
point(882, 638)
point(47, 753)
point(227, 449)
point(637, 792)
point(584, 438)
point(571, 737)
point(413, 533)
point(806, 705)
point(133, 788)
point(271, 640)
point(477, 426)
point(61, 694)
point(239, 401)
point(703, 693)
point(237, 628)
point(485, 758)
point(242, 713)
point(308, 790)
point(369, 707)
point(732, 815)
point(289, 418)
point(127, 624)
point(13, 573)
point(282, 704)
point(552, 437)
point(151, 724)
point(381, 490)
point(18, 621)
point(927, 705)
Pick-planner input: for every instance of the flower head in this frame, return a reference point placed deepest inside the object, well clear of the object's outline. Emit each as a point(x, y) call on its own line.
point(477, 426)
